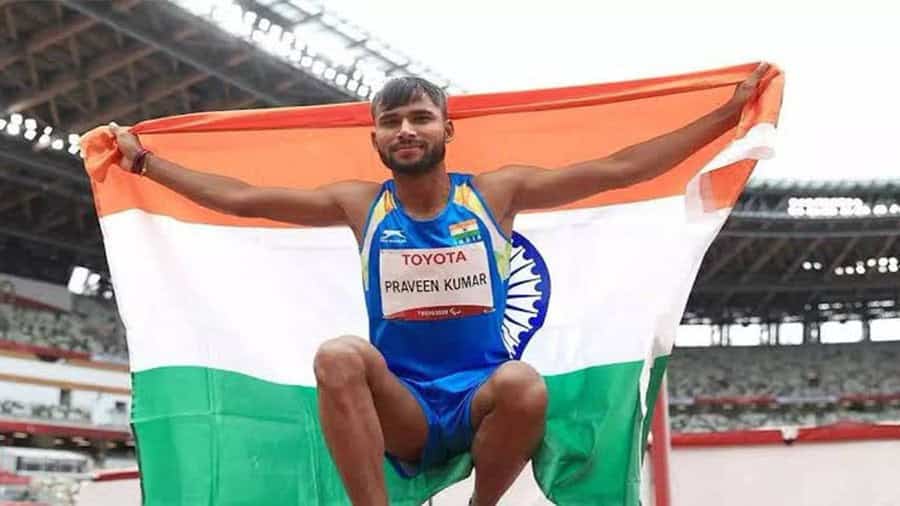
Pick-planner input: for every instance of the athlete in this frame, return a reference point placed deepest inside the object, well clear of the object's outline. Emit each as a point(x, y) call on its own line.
point(434, 379)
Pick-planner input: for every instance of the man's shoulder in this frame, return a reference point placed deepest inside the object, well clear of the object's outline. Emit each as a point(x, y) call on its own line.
point(355, 189)
point(355, 197)
point(501, 180)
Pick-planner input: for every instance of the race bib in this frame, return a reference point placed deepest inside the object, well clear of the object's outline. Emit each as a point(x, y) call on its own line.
point(435, 284)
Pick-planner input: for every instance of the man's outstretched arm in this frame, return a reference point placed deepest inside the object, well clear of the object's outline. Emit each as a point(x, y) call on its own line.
point(332, 204)
point(535, 188)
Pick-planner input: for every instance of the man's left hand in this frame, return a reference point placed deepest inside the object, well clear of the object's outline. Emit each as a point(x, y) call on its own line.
point(747, 90)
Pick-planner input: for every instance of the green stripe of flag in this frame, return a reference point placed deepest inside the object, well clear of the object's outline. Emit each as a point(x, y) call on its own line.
point(227, 424)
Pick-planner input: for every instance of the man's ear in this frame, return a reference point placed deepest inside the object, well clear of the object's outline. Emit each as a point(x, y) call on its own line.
point(372, 138)
point(450, 130)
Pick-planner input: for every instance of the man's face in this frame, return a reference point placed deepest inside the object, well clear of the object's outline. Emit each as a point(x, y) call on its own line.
point(411, 139)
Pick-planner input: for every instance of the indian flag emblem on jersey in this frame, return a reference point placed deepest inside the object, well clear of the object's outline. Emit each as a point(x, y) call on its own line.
point(465, 231)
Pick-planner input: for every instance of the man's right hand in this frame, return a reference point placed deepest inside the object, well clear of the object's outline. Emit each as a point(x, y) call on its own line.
point(128, 144)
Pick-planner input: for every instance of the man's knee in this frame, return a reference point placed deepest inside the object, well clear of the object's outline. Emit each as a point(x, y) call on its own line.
point(340, 362)
point(520, 389)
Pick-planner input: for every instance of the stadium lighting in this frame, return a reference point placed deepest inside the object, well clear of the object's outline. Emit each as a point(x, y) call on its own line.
point(824, 206)
point(312, 31)
point(830, 207)
point(85, 282)
point(19, 126)
point(78, 280)
point(807, 266)
point(839, 271)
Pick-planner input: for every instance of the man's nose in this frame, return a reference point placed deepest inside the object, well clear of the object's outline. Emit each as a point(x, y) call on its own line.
point(406, 129)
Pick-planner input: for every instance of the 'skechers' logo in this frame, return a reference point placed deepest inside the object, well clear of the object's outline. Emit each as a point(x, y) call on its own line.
point(527, 296)
point(393, 236)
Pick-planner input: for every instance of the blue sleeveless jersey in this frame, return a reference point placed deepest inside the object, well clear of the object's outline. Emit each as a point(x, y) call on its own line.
point(436, 289)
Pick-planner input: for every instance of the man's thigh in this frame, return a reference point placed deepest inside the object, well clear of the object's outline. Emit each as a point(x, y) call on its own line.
point(403, 421)
point(505, 380)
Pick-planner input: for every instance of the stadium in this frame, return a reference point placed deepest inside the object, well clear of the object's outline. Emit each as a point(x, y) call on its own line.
point(783, 384)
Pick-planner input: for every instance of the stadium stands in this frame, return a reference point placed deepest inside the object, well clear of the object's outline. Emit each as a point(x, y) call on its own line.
point(737, 388)
point(790, 373)
point(90, 328)
point(19, 409)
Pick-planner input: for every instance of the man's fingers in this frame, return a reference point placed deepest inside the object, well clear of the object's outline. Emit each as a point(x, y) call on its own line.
point(761, 70)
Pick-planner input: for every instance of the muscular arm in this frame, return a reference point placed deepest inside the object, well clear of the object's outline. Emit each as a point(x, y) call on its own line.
point(324, 206)
point(341, 203)
point(516, 188)
point(540, 188)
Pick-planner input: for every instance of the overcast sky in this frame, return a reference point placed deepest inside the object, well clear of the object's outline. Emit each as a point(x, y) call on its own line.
point(841, 108)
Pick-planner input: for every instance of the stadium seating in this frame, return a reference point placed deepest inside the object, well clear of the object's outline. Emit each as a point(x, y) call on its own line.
point(89, 328)
point(787, 372)
point(738, 388)
point(57, 413)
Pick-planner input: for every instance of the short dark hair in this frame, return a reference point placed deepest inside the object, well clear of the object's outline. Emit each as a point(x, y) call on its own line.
point(403, 90)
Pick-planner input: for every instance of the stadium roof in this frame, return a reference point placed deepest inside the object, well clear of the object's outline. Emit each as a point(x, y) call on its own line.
point(811, 250)
point(69, 65)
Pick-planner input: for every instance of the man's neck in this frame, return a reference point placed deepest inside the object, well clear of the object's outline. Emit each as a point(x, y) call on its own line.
point(423, 195)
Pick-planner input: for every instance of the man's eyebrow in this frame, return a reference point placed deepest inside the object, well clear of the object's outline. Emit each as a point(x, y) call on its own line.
point(392, 114)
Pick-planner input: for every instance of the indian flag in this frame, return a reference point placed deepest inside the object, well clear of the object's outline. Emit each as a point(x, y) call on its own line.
point(224, 314)
point(464, 231)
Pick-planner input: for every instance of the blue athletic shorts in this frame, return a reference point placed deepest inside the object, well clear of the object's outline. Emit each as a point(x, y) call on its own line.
point(447, 404)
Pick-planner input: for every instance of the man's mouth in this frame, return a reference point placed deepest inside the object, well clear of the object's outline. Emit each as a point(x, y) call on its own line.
point(407, 150)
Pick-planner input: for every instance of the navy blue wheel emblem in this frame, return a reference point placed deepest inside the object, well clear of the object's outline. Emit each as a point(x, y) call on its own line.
point(527, 295)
